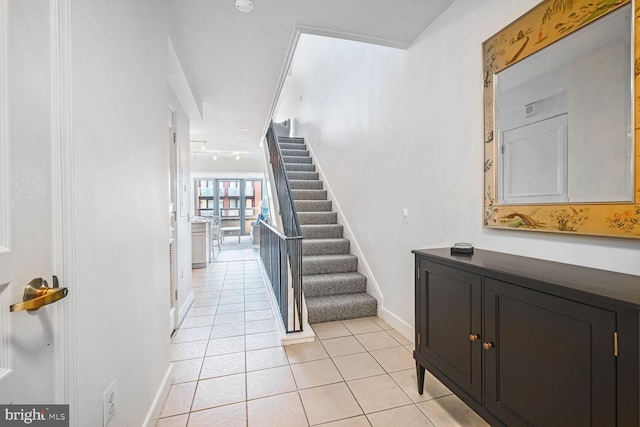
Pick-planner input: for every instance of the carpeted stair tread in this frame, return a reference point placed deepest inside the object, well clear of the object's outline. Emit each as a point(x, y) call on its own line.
point(325, 246)
point(325, 264)
point(309, 218)
point(296, 159)
point(318, 285)
point(299, 167)
point(294, 153)
point(309, 194)
point(341, 307)
point(305, 184)
point(321, 231)
point(303, 175)
point(290, 140)
point(288, 146)
point(313, 205)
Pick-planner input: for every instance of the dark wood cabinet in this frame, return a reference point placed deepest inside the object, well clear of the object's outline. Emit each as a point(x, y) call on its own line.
point(527, 342)
point(551, 358)
point(450, 311)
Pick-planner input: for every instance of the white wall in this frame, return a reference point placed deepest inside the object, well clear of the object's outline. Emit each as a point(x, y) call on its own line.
point(395, 129)
point(227, 164)
point(183, 225)
point(119, 103)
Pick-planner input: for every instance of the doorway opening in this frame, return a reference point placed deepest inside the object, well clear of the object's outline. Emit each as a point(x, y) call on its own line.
point(235, 201)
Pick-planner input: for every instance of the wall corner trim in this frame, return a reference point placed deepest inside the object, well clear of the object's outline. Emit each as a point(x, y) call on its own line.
point(185, 90)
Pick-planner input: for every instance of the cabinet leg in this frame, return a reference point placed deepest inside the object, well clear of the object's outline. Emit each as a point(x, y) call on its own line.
point(420, 374)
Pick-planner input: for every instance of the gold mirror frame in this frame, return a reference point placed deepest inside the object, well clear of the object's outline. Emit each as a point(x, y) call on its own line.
point(602, 219)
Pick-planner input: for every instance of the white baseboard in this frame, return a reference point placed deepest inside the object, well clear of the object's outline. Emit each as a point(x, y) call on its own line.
point(172, 320)
point(158, 401)
point(398, 324)
point(185, 307)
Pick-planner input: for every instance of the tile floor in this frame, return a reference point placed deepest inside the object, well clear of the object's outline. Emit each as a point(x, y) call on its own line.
point(232, 250)
point(230, 369)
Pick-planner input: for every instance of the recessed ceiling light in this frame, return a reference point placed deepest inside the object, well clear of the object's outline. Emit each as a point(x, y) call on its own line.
point(237, 157)
point(215, 157)
point(244, 5)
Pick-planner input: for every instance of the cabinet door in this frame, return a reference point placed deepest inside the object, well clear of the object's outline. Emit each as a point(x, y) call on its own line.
point(450, 302)
point(198, 248)
point(552, 360)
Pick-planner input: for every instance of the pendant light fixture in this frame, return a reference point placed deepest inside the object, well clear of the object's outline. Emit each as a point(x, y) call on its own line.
point(244, 5)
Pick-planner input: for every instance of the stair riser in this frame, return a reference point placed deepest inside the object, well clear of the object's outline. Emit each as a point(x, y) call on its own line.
point(341, 265)
point(308, 218)
point(335, 247)
point(321, 231)
point(299, 167)
point(296, 159)
point(313, 205)
point(310, 194)
point(305, 185)
point(294, 153)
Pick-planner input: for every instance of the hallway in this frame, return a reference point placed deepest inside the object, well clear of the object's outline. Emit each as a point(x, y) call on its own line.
point(230, 369)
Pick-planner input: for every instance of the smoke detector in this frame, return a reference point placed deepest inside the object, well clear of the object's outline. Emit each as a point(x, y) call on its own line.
point(244, 5)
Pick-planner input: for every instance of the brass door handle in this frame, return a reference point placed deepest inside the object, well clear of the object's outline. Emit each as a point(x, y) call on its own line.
point(37, 293)
point(487, 345)
point(473, 337)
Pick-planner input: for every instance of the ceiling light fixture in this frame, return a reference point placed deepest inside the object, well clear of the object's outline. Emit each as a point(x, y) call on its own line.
point(244, 5)
point(215, 157)
point(237, 157)
point(202, 142)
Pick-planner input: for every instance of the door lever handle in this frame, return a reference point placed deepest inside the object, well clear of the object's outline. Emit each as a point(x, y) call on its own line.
point(37, 293)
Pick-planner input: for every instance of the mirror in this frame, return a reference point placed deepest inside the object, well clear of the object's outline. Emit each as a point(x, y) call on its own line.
point(554, 111)
point(559, 132)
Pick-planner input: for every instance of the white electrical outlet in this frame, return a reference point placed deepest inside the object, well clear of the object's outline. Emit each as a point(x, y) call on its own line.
point(109, 403)
point(405, 215)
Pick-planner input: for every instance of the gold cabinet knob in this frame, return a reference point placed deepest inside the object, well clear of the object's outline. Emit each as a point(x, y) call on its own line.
point(487, 345)
point(473, 337)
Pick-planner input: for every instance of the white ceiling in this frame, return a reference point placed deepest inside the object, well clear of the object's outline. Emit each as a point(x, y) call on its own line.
point(236, 62)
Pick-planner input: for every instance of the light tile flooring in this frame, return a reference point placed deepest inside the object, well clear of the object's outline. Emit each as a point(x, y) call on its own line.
point(230, 369)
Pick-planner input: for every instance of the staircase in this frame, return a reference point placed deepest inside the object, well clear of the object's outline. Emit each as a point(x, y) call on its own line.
point(333, 288)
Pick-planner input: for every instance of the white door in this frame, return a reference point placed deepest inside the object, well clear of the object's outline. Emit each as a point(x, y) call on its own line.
point(534, 163)
point(33, 366)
